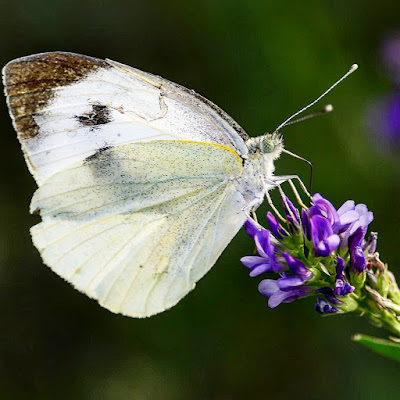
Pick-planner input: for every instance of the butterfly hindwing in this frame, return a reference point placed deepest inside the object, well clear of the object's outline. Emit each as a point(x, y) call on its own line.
point(137, 225)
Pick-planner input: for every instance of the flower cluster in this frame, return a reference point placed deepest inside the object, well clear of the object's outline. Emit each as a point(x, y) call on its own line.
point(320, 251)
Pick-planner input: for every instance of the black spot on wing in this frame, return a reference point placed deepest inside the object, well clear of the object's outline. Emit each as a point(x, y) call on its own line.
point(99, 115)
point(97, 154)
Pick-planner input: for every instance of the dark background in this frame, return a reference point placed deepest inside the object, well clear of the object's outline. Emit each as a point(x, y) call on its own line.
point(260, 61)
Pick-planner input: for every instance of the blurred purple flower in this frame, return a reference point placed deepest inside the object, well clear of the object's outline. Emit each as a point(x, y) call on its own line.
point(383, 121)
point(390, 55)
point(383, 115)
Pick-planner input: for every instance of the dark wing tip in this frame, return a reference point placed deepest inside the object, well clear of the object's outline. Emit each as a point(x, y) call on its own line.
point(28, 83)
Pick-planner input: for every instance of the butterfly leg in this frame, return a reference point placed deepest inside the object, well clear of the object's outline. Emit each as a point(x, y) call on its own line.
point(250, 209)
point(284, 199)
point(269, 200)
point(289, 178)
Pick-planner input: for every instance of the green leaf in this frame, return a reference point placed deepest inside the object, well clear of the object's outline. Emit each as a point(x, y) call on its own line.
point(387, 348)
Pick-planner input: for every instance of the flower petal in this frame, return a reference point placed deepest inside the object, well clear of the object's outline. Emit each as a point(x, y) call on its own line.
point(251, 228)
point(279, 297)
point(323, 307)
point(325, 242)
point(275, 226)
point(325, 209)
point(260, 269)
point(332, 242)
point(292, 214)
point(369, 246)
point(263, 243)
point(358, 261)
point(340, 264)
point(290, 282)
point(347, 206)
point(252, 261)
point(305, 219)
point(268, 287)
point(297, 266)
point(349, 217)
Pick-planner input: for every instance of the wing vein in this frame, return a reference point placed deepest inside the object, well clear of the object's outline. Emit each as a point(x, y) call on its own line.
point(132, 283)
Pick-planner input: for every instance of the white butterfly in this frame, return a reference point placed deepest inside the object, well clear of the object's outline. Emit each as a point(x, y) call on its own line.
point(142, 182)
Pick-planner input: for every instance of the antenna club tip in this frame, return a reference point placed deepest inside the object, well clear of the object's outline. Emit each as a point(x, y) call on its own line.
point(328, 108)
point(353, 67)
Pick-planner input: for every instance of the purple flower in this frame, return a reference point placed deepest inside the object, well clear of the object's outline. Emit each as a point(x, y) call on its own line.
point(324, 307)
point(348, 215)
point(325, 241)
point(353, 217)
point(251, 228)
point(369, 246)
point(342, 287)
point(267, 261)
point(383, 122)
point(393, 118)
point(292, 214)
point(383, 114)
point(297, 267)
point(390, 52)
point(304, 264)
point(329, 295)
point(358, 261)
point(275, 226)
point(343, 221)
point(306, 224)
point(319, 222)
point(323, 208)
point(271, 288)
point(288, 287)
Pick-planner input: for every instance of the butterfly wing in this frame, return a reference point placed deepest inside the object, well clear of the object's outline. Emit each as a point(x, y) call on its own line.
point(65, 107)
point(137, 225)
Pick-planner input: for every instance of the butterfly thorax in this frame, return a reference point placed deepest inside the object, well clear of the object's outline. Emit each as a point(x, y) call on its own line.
point(259, 166)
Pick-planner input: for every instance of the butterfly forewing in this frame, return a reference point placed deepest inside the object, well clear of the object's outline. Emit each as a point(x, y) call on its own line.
point(66, 107)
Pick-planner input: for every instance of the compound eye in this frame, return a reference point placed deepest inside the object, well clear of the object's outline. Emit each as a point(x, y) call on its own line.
point(267, 145)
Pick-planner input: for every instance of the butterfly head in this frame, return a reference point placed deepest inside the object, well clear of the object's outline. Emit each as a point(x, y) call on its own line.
point(270, 144)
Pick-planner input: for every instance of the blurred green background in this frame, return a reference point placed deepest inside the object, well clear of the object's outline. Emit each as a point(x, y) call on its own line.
point(260, 61)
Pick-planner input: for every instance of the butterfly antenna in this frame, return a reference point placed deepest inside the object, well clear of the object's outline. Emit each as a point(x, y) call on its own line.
point(350, 71)
point(327, 109)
